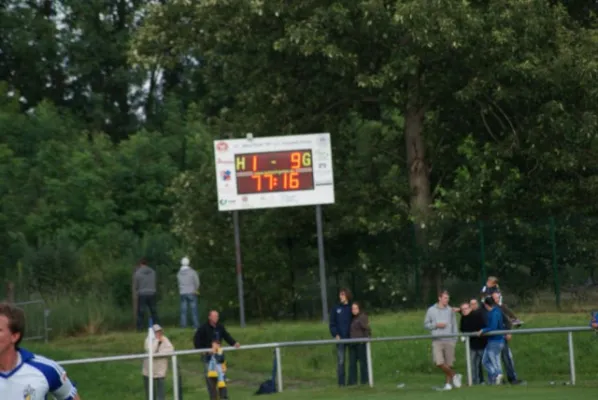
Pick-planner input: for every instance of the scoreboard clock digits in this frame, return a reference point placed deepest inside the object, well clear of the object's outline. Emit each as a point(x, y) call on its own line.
point(279, 171)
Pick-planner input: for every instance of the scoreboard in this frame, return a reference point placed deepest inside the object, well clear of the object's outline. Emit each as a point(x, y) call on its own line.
point(279, 171)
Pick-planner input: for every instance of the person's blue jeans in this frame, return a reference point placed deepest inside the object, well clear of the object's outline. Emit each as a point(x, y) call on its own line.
point(491, 360)
point(477, 370)
point(340, 363)
point(191, 301)
point(507, 359)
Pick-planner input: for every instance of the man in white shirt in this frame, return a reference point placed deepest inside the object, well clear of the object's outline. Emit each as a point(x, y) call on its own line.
point(24, 375)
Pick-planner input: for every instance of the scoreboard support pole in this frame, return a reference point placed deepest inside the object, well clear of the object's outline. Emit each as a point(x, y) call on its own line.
point(323, 285)
point(239, 268)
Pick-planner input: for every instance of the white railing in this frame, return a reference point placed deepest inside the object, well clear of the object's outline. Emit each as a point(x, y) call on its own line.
point(369, 341)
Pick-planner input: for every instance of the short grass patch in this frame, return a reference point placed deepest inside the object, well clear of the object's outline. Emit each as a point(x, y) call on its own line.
point(309, 372)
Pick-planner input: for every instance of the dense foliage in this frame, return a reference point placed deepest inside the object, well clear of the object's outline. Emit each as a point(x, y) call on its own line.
point(460, 130)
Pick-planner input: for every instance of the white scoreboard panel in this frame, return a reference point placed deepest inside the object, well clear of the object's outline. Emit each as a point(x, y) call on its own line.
point(276, 171)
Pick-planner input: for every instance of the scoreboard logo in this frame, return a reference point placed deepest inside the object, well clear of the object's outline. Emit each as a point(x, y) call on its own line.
point(222, 146)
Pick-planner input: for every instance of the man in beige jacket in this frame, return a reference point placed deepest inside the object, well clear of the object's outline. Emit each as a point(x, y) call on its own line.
point(161, 345)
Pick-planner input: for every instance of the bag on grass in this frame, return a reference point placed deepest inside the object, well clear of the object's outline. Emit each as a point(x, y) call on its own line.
point(269, 386)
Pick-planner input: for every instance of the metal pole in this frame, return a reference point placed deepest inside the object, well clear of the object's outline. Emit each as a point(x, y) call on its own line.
point(555, 270)
point(278, 369)
point(175, 378)
point(571, 357)
point(368, 356)
point(468, 361)
point(239, 267)
point(323, 286)
point(46, 315)
point(482, 251)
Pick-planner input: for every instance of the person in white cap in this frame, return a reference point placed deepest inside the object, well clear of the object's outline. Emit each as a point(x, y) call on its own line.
point(161, 345)
point(188, 289)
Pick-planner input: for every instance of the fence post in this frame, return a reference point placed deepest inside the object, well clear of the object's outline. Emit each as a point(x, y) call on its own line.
point(571, 357)
point(482, 251)
point(368, 352)
point(468, 361)
point(46, 329)
point(555, 271)
point(175, 378)
point(278, 369)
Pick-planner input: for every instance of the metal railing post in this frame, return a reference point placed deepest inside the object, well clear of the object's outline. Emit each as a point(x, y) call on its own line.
point(46, 315)
point(468, 361)
point(175, 378)
point(571, 357)
point(278, 369)
point(368, 352)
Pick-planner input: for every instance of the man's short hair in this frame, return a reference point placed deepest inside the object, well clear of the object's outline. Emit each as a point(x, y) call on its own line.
point(489, 301)
point(347, 293)
point(493, 279)
point(443, 292)
point(16, 319)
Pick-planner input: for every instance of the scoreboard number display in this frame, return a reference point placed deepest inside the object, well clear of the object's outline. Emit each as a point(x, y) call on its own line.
point(270, 172)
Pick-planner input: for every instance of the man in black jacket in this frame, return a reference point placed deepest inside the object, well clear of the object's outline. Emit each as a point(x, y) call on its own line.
point(203, 338)
point(474, 321)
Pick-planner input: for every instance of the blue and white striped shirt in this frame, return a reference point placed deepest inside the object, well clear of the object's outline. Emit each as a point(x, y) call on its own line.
point(34, 378)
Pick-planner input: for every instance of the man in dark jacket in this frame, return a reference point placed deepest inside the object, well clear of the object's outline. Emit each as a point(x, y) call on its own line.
point(340, 328)
point(205, 335)
point(474, 321)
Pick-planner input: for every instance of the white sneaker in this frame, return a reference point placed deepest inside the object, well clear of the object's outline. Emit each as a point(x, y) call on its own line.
point(498, 380)
point(457, 378)
point(447, 387)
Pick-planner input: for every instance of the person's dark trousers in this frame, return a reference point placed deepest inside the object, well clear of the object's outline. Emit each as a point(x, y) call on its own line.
point(159, 393)
point(146, 301)
point(340, 363)
point(357, 354)
point(477, 369)
point(507, 360)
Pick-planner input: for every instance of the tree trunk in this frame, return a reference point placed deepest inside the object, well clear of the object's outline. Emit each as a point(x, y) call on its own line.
point(419, 184)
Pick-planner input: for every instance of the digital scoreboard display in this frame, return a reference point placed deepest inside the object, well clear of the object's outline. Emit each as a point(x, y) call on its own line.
point(275, 171)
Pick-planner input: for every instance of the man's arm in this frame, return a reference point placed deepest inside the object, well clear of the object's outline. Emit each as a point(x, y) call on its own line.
point(429, 321)
point(332, 324)
point(197, 338)
point(229, 339)
point(454, 328)
point(492, 322)
point(59, 385)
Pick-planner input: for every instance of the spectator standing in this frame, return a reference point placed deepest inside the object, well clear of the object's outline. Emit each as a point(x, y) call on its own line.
point(145, 289)
point(208, 333)
point(340, 328)
point(506, 354)
point(360, 328)
point(189, 290)
point(594, 321)
point(441, 320)
point(473, 322)
point(161, 345)
point(491, 358)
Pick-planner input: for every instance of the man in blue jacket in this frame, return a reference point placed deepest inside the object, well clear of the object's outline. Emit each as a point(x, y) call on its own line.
point(340, 327)
point(491, 358)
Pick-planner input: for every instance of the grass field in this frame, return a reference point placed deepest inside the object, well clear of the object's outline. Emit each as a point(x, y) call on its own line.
point(310, 372)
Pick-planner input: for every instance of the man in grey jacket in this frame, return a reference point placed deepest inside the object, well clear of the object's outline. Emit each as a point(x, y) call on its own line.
point(441, 320)
point(188, 289)
point(145, 289)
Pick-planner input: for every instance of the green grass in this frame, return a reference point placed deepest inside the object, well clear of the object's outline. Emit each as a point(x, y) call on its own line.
point(309, 372)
